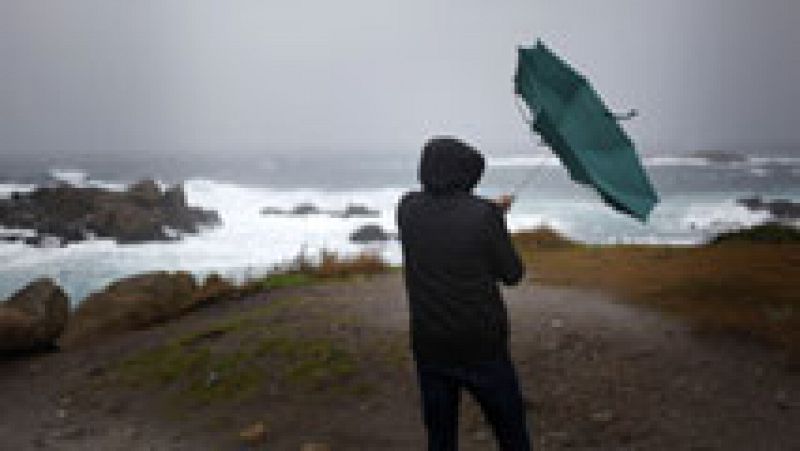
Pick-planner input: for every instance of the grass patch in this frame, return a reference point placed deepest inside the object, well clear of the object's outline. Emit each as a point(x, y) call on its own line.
point(747, 288)
point(304, 270)
point(283, 280)
point(234, 359)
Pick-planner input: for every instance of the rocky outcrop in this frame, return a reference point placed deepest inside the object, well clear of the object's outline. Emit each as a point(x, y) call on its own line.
point(34, 317)
point(356, 211)
point(68, 213)
point(305, 209)
point(273, 211)
point(780, 209)
point(370, 233)
point(302, 209)
point(132, 303)
point(719, 156)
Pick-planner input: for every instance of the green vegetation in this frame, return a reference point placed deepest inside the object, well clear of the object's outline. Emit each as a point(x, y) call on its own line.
point(232, 359)
point(283, 280)
point(330, 266)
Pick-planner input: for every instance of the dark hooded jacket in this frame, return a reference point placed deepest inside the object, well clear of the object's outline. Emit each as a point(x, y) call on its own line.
point(456, 248)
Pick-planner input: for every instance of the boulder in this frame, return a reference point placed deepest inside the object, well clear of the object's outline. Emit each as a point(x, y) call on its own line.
point(273, 211)
point(781, 209)
point(719, 156)
point(305, 209)
point(370, 233)
point(17, 331)
point(129, 223)
point(132, 303)
point(35, 315)
point(356, 211)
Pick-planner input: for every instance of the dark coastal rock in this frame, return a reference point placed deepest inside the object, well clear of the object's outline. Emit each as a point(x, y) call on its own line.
point(146, 192)
point(302, 209)
point(305, 209)
point(142, 213)
point(132, 303)
point(718, 156)
point(175, 198)
point(370, 233)
point(356, 211)
point(44, 241)
point(34, 317)
point(781, 209)
point(273, 211)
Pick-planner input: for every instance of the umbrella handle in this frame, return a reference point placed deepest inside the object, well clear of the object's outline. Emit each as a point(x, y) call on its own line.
point(528, 116)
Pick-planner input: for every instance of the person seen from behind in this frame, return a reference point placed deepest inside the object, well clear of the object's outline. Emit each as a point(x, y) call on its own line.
point(456, 249)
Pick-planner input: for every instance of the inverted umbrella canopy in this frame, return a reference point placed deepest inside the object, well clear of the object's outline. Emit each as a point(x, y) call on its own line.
point(574, 122)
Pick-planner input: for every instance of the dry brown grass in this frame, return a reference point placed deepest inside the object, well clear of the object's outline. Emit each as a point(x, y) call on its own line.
point(749, 289)
point(542, 238)
point(333, 265)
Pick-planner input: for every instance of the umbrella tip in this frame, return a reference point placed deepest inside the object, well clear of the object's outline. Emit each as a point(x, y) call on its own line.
point(538, 43)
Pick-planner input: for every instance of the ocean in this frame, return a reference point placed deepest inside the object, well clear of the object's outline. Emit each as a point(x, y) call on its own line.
point(698, 200)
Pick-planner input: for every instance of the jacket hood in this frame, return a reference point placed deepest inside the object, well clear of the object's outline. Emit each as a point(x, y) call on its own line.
point(449, 165)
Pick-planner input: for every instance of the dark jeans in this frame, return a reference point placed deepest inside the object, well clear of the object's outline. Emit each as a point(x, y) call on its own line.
point(494, 386)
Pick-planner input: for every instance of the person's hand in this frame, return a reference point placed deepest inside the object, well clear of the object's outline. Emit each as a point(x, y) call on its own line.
point(504, 202)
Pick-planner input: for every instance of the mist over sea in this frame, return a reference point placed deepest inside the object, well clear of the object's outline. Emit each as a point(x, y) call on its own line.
point(698, 200)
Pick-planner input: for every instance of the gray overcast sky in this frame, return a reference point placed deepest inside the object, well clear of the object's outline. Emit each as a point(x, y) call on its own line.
point(321, 75)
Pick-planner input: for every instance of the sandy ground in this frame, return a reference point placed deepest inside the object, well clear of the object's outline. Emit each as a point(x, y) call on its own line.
point(596, 374)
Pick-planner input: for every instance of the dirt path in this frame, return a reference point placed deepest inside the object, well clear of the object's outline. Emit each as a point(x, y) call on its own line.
point(596, 375)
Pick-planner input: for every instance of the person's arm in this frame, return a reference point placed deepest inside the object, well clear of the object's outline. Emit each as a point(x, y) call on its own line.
point(504, 261)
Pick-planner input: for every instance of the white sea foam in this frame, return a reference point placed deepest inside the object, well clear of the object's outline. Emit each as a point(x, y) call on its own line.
point(721, 216)
point(74, 177)
point(776, 161)
point(80, 179)
point(675, 161)
point(524, 161)
point(6, 189)
point(14, 232)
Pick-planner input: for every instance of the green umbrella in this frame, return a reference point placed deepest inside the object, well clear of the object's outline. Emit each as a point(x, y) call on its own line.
point(575, 123)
